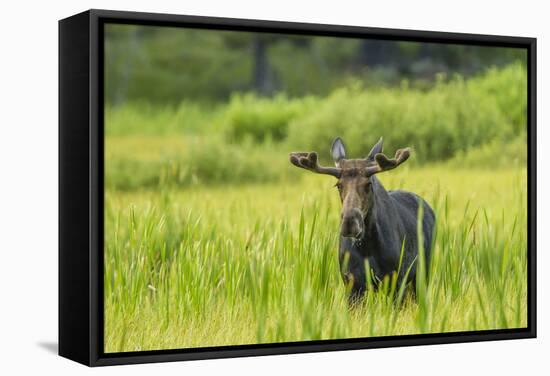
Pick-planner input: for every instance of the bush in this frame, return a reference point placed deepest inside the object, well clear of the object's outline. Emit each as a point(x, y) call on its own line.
point(495, 154)
point(509, 89)
point(147, 119)
point(247, 140)
point(452, 117)
point(188, 161)
point(249, 116)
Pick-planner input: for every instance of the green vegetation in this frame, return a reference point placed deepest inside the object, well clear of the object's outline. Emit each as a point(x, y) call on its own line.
point(213, 238)
point(168, 65)
point(455, 116)
point(248, 139)
point(211, 266)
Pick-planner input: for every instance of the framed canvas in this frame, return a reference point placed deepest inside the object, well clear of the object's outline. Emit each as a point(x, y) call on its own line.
point(233, 187)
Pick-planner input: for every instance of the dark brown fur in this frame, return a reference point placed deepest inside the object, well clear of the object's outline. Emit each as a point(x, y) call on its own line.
point(376, 224)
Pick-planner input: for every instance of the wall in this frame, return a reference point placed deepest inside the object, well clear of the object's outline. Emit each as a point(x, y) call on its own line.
point(28, 214)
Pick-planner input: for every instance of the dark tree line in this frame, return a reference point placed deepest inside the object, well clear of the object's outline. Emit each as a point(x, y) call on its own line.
point(168, 65)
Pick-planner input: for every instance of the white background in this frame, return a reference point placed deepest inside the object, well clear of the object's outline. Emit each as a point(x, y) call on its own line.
point(28, 186)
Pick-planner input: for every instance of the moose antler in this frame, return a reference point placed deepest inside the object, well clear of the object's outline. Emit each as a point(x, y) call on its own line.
point(309, 161)
point(383, 163)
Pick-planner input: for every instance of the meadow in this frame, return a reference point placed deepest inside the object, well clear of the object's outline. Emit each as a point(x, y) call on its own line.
point(213, 238)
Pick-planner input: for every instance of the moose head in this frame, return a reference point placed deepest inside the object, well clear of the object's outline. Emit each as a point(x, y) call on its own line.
point(354, 180)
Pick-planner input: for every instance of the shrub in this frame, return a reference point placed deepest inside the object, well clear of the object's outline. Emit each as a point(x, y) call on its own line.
point(147, 119)
point(247, 140)
point(249, 116)
point(454, 116)
point(188, 161)
point(495, 154)
point(508, 87)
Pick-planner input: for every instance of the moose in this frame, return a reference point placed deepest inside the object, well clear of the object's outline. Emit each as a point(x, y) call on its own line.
point(376, 225)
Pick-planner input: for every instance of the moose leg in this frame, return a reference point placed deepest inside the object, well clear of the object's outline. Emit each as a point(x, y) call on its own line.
point(352, 266)
point(355, 280)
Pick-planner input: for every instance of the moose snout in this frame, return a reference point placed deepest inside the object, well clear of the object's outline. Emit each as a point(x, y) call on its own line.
point(352, 224)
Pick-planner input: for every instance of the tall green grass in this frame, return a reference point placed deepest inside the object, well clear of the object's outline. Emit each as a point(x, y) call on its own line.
point(213, 238)
point(210, 266)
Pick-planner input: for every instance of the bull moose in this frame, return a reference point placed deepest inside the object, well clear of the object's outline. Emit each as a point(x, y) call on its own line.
point(376, 225)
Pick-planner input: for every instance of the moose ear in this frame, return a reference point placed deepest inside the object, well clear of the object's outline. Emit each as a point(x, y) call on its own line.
point(338, 150)
point(376, 149)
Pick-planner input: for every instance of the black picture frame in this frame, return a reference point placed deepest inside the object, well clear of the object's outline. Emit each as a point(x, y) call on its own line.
point(81, 186)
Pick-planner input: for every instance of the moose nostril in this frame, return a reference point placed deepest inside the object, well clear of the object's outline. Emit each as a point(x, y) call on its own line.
point(357, 214)
point(351, 225)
